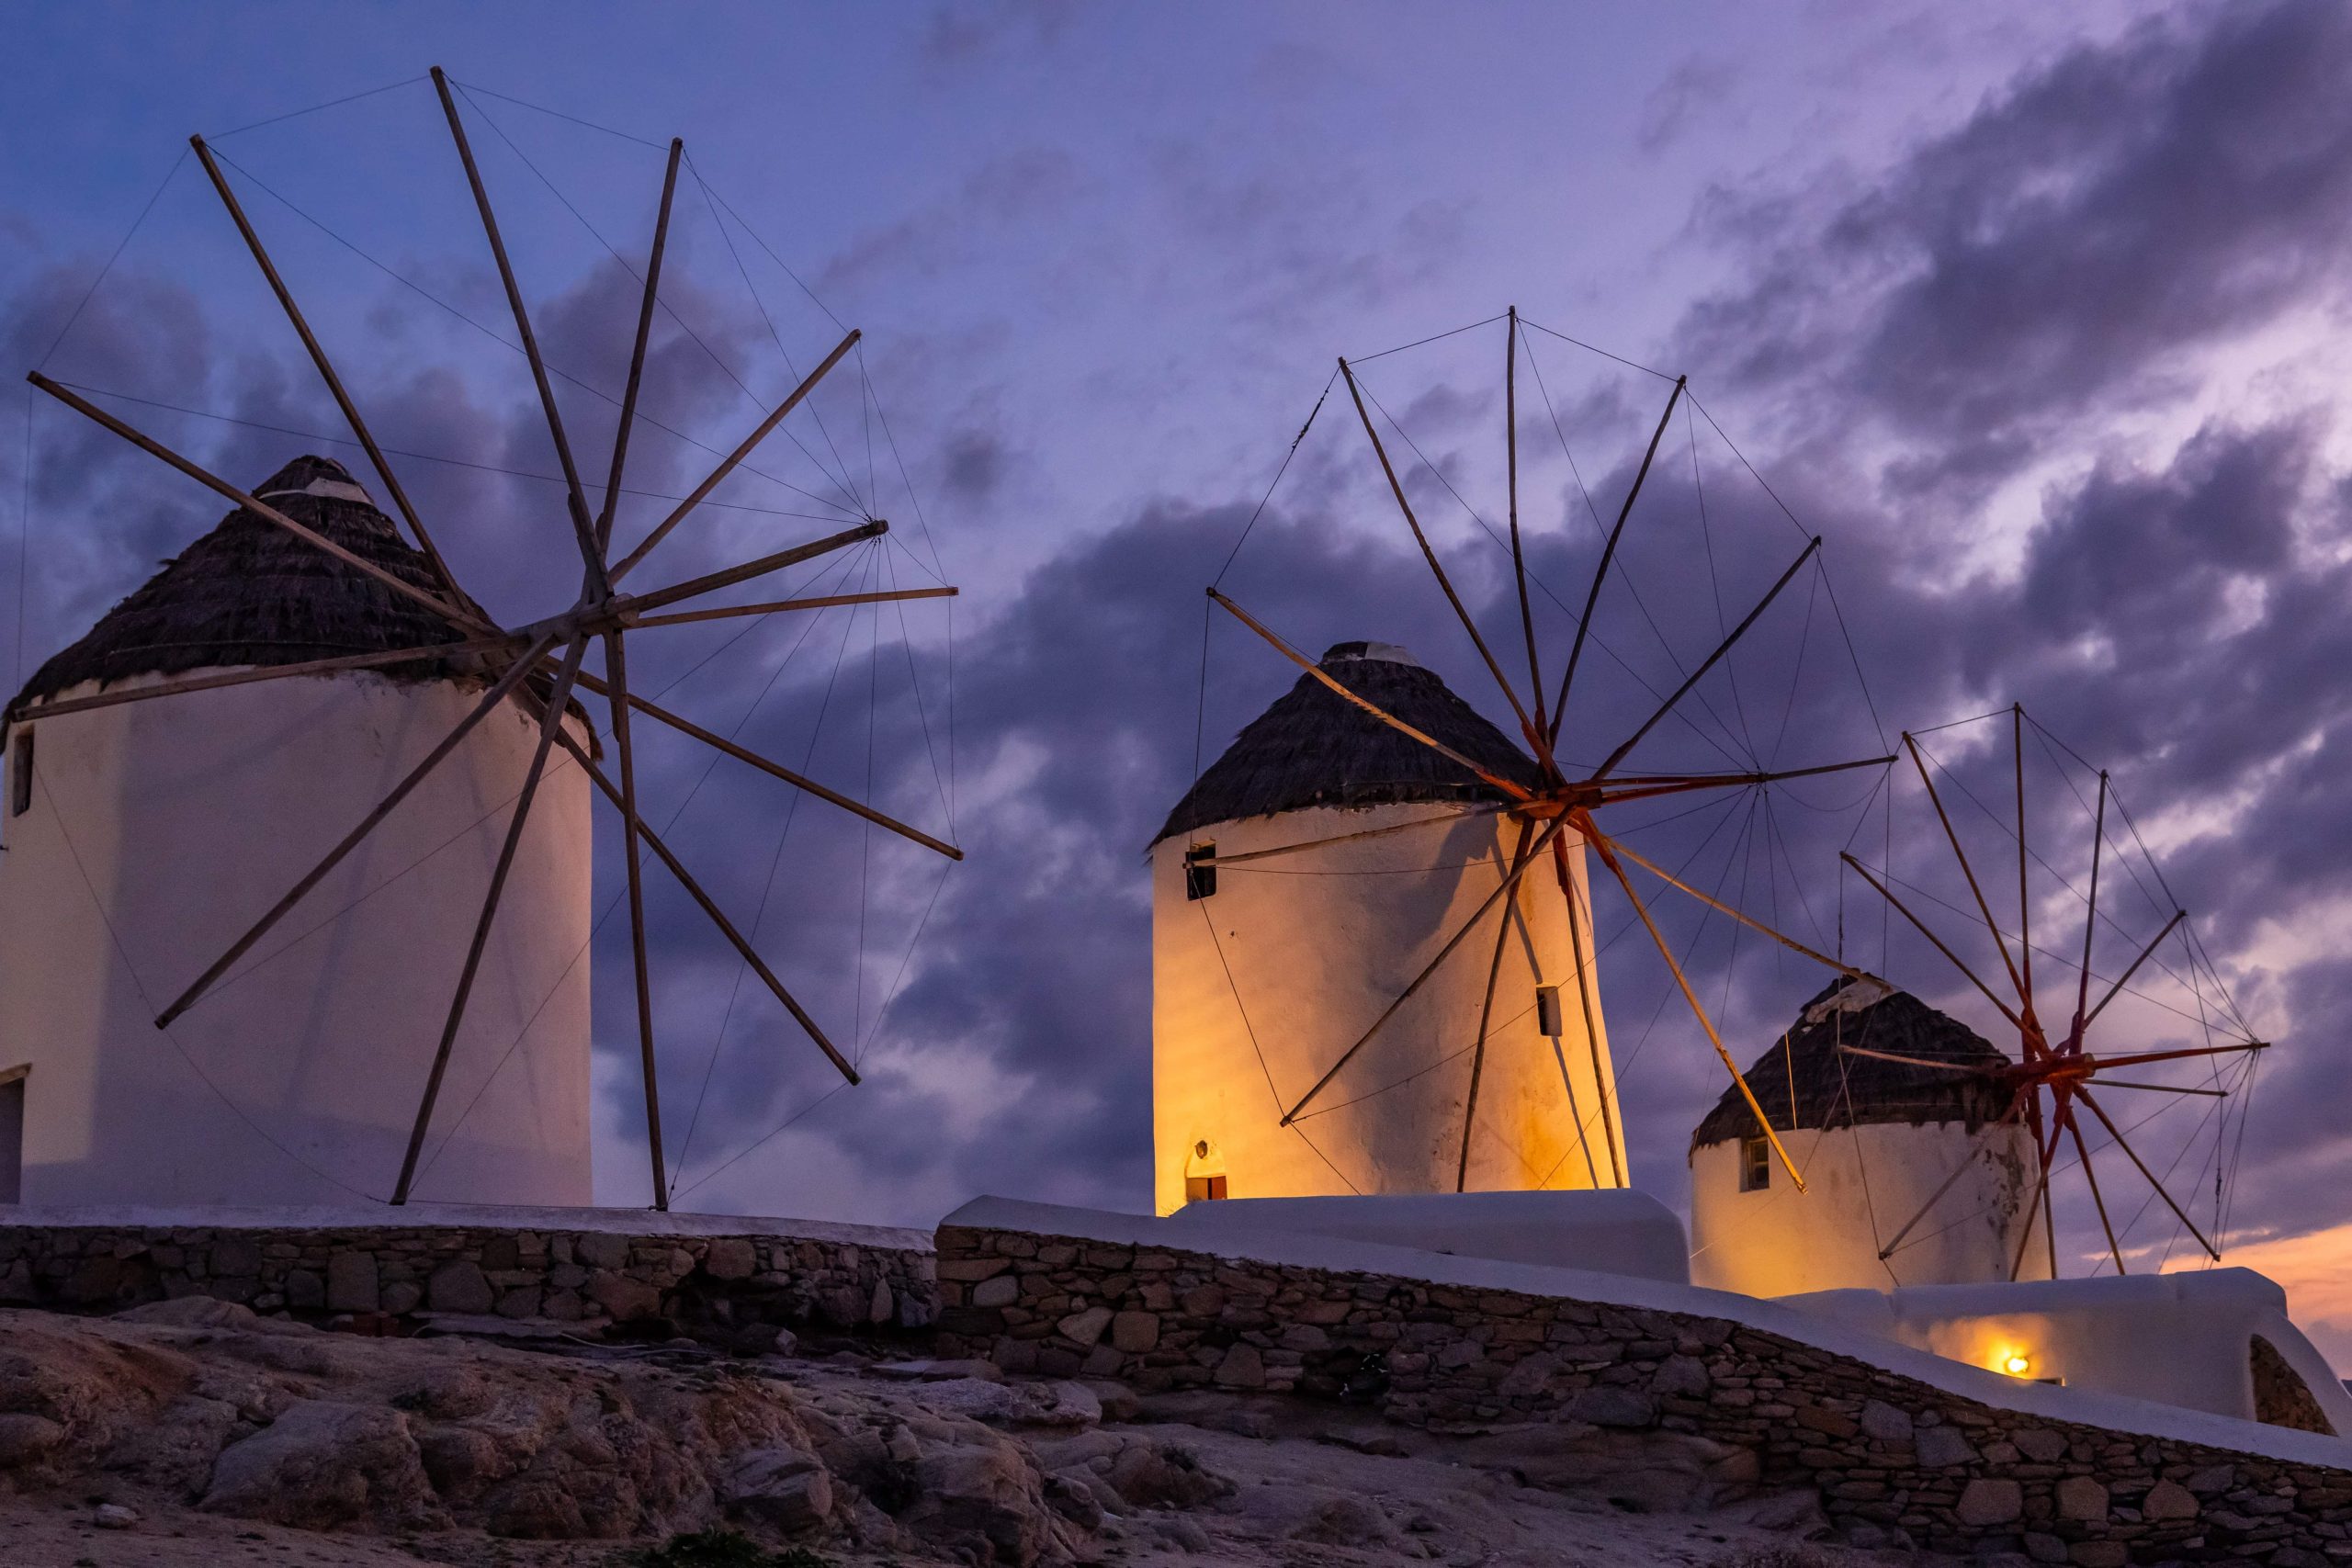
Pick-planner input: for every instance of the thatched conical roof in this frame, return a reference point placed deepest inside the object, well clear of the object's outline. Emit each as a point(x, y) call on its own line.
point(251, 593)
point(1835, 1088)
point(1312, 748)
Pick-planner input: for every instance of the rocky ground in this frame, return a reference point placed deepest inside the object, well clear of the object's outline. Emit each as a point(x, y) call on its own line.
point(194, 1433)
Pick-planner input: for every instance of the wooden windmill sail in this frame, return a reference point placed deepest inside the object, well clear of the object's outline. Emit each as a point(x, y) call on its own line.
point(2056, 1068)
point(538, 666)
point(1551, 806)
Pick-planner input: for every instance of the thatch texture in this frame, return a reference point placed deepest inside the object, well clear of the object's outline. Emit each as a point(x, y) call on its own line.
point(250, 594)
point(1314, 749)
point(1835, 1088)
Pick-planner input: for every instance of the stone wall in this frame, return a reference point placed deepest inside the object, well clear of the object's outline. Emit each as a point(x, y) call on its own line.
point(587, 1271)
point(1894, 1460)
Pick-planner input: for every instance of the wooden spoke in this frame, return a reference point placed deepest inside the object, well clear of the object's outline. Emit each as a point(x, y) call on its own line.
point(777, 770)
point(2165, 1088)
point(1515, 790)
point(2133, 1155)
point(2066, 1120)
point(1921, 927)
point(1305, 844)
point(1909, 1061)
point(726, 466)
point(2000, 941)
point(2140, 1058)
point(326, 371)
point(2112, 991)
point(550, 721)
point(498, 693)
point(264, 672)
point(1517, 555)
point(1756, 925)
point(1709, 663)
point(1486, 1013)
point(1577, 932)
point(629, 409)
point(624, 606)
point(1510, 881)
point(1650, 786)
point(465, 619)
point(824, 601)
point(616, 676)
point(2017, 1108)
point(2025, 907)
point(1460, 611)
point(2045, 1150)
point(577, 499)
point(2090, 917)
point(1608, 554)
point(1609, 859)
point(718, 916)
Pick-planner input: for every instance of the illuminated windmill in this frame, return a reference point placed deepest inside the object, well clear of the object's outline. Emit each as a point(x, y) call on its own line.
point(1538, 813)
point(537, 667)
point(2051, 1078)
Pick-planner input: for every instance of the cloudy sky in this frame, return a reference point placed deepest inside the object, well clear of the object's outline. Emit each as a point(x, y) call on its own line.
point(2036, 314)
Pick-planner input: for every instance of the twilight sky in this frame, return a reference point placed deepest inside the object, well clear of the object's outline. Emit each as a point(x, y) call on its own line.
point(2037, 314)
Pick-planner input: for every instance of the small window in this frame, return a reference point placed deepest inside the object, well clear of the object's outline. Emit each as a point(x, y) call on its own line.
point(12, 1135)
point(20, 775)
point(1203, 1172)
point(1755, 1165)
point(1200, 875)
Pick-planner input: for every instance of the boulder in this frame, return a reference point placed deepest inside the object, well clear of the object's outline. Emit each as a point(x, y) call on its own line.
point(1990, 1500)
point(779, 1486)
point(459, 1285)
point(321, 1464)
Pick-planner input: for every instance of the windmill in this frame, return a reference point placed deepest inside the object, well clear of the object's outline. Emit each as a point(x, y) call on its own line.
point(2052, 1077)
point(1550, 812)
point(538, 666)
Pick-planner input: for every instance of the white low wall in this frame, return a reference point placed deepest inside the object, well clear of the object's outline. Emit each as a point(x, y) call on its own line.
point(1611, 1231)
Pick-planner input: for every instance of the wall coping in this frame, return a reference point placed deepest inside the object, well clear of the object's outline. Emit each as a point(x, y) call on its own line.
point(454, 1216)
point(2078, 1406)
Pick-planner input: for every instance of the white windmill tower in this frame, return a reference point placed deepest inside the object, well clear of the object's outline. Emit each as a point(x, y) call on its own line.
point(1258, 957)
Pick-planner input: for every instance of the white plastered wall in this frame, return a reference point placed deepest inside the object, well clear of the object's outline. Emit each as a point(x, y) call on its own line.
point(1273, 977)
point(1862, 1185)
point(159, 831)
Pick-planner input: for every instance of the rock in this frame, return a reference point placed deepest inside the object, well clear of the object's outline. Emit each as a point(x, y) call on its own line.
point(881, 1306)
point(1680, 1377)
point(26, 1438)
point(1609, 1406)
point(1072, 1496)
point(192, 1311)
point(2211, 1478)
point(2168, 1500)
point(1884, 1423)
point(626, 1300)
point(1241, 1366)
point(1084, 1327)
point(1940, 1446)
point(401, 1296)
point(975, 1399)
point(321, 1464)
point(2080, 1497)
point(2044, 1548)
point(305, 1291)
point(599, 1249)
point(113, 1516)
point(2041, 1445)
point(779, 1486)
point(1002, 1290)
point(1135, 1332)
point(351, 1281)
point(1117, 1400)
point(983, 1502)
point(730, 1258)
point(1162, 1475)
point(2115, 1554)
point(459, 1285)
point(1062, 1405)
point(786, 1342)
point(1338, 1520)
point(1990, 1500)
point(931, 1371)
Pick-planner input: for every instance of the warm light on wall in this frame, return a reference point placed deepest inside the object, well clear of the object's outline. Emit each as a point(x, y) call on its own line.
point(2016, 1363)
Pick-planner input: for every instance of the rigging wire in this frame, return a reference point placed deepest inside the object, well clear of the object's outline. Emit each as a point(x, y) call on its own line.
point(84, 303)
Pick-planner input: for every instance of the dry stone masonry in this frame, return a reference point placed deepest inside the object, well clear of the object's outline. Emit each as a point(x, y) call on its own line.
point(839, 1276)
point(1896, 1461)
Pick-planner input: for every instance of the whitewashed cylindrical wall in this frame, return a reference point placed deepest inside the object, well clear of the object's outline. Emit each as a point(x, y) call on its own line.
point(1863, 1184)
point(1259, 988)
point(158, 831)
